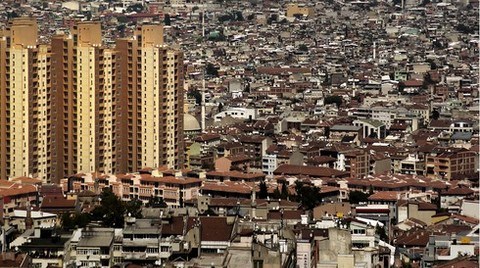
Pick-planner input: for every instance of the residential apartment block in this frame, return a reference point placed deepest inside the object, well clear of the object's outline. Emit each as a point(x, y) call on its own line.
point(450, 162)
point(77, 105)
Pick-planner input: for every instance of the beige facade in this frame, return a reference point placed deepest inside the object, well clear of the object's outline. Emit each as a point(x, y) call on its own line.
point(75, 105)
point(21, 82)
point(154, 125)
point(296, 9)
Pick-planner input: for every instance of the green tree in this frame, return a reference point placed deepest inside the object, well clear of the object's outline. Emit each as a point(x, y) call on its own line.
point(134, 208)
point(239, 16)
point(156, 202)
point(167, 20)
point(78, 220)
point(380, 231)
point(303, 48)
point(197, 95)
point(67, 222)
point(224, 18)
point(135, 8)
point(307, 195)
point(121, 29)
point(284, 193)
point(276, 194)
point(122, 19)
point(81, 219)
point(211, 70)
point(111, 210)
point(338, 100)
point(263, 193)
point(356, 197)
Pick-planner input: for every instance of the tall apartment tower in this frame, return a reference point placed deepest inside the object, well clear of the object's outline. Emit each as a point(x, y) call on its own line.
point(24, 109)
point(77, 106)
point(151, 88)
point(64, 134)
point(94, 84)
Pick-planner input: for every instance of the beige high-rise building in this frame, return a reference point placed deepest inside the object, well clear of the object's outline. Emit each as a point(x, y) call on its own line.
point(75, 105)
point(151, 87)
point(22, 110)
point(63, 108)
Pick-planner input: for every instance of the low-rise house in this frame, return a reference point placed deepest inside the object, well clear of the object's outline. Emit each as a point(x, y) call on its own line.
point(141, 241)
point(234, 176)
point(255, 148)
point(338, 210)
point(451, 198)
point(172, 188)
point(470, 208)
point(356, 162)
point(44, 245)
point(447, 163)
point(412, 165)
point(372, 128)
point(228, 189)
point(215, 233)
point(92, 247)
point(313, 172)
point(237, 112)
point(345, 133)
point(240, 163)
point(380, 213)
point(15, 259)
point(414, 209)
point(226, 149)
point(21, 219)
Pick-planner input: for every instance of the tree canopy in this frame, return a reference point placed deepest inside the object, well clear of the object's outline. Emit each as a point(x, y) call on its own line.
point(263, 193)
point(338, 100)
point(356, 197)
point(307, 195)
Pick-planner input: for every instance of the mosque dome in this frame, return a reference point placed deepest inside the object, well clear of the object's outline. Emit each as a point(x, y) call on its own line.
point(190, 123)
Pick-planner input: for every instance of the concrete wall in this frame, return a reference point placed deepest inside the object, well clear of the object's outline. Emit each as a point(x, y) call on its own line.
point(346, 261)
point(423, 215)
point(382, 166)
point(470, 208)
point(339, 243)
point(223, 164)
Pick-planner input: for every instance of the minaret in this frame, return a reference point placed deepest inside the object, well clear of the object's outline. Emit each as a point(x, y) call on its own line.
point(374, 50)
point(204, 71)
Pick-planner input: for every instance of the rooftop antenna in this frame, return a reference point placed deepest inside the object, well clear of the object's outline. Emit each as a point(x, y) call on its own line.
point(204, 71)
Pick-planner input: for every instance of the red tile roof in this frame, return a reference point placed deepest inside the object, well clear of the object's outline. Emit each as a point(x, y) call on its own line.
point(317, 172)
point(169, 180)
point(458, 191)
point(213, 228)
point(228, 187)
point(287, 215)
point(55, 202)
point(385, 196)
point(461, 262)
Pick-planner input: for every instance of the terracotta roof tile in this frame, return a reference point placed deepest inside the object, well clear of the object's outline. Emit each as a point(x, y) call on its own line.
point(385, 196)
point(310, 171)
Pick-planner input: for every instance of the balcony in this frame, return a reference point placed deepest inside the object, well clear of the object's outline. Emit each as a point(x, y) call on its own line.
point(134, 255)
